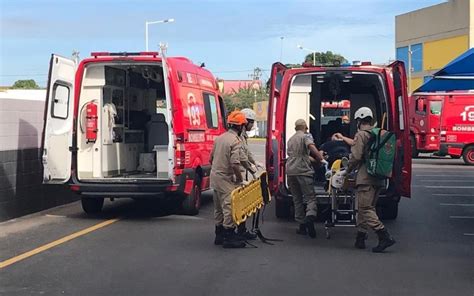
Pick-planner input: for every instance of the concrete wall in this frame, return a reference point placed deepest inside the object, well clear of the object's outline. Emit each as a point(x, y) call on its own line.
point(21, 126)
point(471, 24)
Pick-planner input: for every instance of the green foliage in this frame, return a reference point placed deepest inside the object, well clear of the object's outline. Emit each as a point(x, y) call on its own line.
point(244, 98)
point(326, 58)
point(25, 84)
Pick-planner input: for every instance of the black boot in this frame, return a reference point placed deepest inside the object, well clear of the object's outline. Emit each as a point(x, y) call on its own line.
point(385, 241)
point(302, 230)
point(309, 222)
point(231, 240)
point(244, 234)
point(219, 235)
point(360, 240)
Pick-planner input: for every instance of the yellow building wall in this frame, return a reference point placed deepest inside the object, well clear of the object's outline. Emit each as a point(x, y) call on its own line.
point(436, 54)
point(415, 83)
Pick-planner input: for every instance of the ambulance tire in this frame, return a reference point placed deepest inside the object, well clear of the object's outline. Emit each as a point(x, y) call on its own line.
point(414, 152)
point(92, 205)
point(468, 155)
point(192, 202)
point(283, 208)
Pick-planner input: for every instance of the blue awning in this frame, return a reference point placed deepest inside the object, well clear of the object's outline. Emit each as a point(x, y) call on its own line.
point(457, 75)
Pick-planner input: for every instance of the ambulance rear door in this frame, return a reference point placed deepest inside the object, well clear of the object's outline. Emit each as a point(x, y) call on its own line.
point(58, 128)
point(275, 127)
point(399, 102)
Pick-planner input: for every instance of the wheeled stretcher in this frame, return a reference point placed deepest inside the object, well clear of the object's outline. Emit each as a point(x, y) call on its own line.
point(342, 201)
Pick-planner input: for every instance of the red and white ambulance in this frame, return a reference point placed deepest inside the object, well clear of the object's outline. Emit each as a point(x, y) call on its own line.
point(300, 93)
point(131, 125)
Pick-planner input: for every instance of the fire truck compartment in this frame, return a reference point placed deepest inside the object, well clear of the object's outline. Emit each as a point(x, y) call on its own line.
point(132, 123)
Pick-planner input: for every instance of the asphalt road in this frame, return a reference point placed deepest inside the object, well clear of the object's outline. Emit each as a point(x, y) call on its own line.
point(148, 252)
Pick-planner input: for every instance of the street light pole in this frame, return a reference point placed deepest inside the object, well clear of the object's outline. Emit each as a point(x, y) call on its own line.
point(410, 53)
point(152, 23)
point(310, 50)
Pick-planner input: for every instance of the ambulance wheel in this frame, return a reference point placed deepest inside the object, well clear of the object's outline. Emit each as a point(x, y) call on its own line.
point(414, 151)
point(468, 155)
point(192, 202)
point(282, 208)
point(92, 205)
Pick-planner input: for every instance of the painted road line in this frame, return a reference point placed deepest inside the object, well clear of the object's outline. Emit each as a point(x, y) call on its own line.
point(443, 176)
point(450, 187)
point(55, 216)
point(450, 181)
point(43, 248)
point(456, 204)
point(469, 234)
point(461, 217)
point(453, 194)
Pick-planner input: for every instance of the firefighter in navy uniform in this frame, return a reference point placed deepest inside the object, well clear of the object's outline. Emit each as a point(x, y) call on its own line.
point(367, 187)
point(225, 177)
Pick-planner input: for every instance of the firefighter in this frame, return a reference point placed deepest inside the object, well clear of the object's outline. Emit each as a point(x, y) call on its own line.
point(250, 165)
point(225, 177)
point(300, 174)
point(367, 186)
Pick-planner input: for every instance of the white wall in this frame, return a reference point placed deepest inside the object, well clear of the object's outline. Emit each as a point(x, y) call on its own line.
point(21, 119)
point(298, 103)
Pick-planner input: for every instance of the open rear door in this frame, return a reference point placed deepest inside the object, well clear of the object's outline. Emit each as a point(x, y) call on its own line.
point(273, 133)
point(402, 167)
point(166, 80)
point(57, 137)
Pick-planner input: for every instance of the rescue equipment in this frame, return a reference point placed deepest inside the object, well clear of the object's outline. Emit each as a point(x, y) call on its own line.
point(249, 200)
point(91, 122)
point(381, 153)
point(246, 200)
point(236, 118)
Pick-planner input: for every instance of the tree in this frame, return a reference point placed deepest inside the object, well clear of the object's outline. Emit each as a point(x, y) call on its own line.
point(324, 58)
point(25, 84)
point(244, 98)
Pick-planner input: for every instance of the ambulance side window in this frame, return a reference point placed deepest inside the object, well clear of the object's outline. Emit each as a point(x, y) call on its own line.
point(223, 111)
point(60, 105)
point(210, 106)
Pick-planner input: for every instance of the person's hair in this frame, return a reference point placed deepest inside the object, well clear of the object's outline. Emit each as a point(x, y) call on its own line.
point(366, 120)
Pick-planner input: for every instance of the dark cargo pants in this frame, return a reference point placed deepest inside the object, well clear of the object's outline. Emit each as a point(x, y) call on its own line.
point(304, 197)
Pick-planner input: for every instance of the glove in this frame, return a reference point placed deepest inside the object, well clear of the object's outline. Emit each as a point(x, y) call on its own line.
point(324, 162)
point(244, 183)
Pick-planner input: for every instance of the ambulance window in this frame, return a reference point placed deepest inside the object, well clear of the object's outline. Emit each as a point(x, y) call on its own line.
point(223, 111)
point(60, 106)
point(210, 107)
point(435, 108)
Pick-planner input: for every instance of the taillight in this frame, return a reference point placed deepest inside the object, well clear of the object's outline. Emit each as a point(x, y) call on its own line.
point(180, 153)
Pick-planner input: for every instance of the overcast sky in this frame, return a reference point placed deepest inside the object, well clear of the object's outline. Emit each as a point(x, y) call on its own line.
point(231, 37)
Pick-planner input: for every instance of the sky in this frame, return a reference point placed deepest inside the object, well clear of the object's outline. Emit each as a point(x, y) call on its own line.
point(231, 37)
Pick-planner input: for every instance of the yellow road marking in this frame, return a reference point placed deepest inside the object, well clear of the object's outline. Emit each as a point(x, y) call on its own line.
point(43, 248)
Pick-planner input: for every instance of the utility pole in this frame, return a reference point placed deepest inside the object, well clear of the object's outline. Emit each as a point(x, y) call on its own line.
point(257, 73)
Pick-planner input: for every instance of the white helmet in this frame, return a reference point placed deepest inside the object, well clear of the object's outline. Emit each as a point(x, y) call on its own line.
point(249, 113)
point(363, 112)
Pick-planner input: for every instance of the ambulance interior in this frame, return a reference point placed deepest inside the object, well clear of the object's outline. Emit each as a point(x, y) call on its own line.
point(327, 100)
point(132, 135)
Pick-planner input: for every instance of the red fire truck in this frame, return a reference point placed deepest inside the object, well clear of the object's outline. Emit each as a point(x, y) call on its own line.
point(131, 125)
point(443, 123)
point(300, 93)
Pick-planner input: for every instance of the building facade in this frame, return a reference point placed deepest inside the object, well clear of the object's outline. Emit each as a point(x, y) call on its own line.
point(429, 38)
